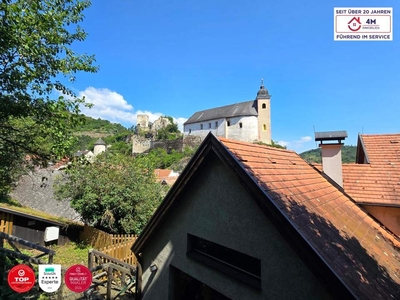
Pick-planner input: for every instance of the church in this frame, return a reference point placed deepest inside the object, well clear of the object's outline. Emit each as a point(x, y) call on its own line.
point(248, 121)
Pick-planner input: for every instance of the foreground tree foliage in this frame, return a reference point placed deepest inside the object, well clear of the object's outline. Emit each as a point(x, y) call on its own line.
point(116, 193)
point(35, 58)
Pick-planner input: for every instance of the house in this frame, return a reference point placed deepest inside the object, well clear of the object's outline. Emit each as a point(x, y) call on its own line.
point(89, 155)
point(245, 121)
point(165, 176)
point(246, 221)
point(374, 181)
point(99, 147)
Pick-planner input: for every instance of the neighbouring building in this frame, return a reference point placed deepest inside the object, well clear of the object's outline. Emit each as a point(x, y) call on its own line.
point(248, 121)
point(373, 180)
point(246, 221)
point(89, 155)
point(99, 147)
point(165, 176)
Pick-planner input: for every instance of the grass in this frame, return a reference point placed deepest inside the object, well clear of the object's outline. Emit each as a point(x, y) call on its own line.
point(71, 254)
point(66, 255)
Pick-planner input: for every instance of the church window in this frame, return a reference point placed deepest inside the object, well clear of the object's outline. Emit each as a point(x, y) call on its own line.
point(264, 126)
point(201, 126)
point(264, 105)
point(240, 125)
point(209, 125)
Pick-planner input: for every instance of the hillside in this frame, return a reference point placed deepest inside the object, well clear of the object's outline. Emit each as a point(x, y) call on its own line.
point(112, 133)
point(99, 128)
point(314, 155)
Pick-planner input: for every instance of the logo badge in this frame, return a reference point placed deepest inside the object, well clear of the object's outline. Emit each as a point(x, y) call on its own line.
point(49, 277)
point(21, 278)
point(78, 278)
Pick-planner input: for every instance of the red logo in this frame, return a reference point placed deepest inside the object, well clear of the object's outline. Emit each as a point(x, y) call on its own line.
point(21, 278)
point(355, 24)
point(78, 278)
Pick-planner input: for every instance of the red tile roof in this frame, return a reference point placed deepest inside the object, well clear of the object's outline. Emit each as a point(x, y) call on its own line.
point(382, 149)
point(363, 254)
point(168, 176)
point(378, 181)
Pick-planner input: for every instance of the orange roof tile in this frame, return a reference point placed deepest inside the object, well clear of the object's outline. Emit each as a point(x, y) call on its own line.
point(168, 176)
point(378, 181)
point(362, 253)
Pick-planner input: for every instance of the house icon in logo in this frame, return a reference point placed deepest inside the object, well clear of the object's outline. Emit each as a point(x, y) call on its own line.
point(354, 24)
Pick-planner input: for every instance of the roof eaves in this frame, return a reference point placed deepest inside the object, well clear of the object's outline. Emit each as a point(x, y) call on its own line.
point(37, 218)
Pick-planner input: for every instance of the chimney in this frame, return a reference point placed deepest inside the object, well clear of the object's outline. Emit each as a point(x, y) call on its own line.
point(331, 146)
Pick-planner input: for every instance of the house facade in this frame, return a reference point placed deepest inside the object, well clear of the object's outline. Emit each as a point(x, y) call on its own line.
point(245, 221)
point(248, 121)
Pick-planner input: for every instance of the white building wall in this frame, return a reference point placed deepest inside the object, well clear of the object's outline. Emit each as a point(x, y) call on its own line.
point(215, 126)
point(247, 132)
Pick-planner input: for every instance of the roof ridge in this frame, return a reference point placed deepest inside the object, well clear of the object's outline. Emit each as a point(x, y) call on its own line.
point(255, 144)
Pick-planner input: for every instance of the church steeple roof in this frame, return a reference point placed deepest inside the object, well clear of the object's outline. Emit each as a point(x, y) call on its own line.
point(263, 92)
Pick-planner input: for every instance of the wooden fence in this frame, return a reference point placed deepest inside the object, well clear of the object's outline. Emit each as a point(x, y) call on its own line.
point(115, 245)
point(6, 222)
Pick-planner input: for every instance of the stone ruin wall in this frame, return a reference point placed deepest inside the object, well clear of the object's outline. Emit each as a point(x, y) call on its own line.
point(141, 144)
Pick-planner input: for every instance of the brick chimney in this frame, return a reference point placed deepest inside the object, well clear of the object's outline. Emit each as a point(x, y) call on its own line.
point(331, 148)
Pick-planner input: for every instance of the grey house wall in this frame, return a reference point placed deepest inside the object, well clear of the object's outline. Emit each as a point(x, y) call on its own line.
point(217, 208)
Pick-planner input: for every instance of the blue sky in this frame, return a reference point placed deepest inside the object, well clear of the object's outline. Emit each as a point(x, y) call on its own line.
point(177, 57)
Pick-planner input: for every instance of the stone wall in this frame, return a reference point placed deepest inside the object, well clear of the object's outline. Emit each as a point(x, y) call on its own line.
point(141, 144)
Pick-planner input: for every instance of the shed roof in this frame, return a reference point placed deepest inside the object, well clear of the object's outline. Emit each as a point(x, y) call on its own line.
point(338, 240)
point(247, 108)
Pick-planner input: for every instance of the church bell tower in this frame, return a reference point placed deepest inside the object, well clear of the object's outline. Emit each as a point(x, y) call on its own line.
point(263, 105)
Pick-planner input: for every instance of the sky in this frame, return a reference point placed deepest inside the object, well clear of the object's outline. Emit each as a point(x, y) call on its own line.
point(180, 56)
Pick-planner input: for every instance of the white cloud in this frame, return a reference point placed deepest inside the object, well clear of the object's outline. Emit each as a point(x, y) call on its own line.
point(296, 144)
point(304, 139)
point(112, 106)
point(284, 143)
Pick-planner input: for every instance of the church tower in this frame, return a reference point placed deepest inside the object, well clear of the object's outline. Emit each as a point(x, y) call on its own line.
point(264, 114)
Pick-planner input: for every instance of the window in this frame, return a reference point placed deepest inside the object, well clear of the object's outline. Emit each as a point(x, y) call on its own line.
point(240, 125)
point(264, 127)
point(264, 105)
point(228, 261)
point(209, 125)
point(216, 124)
point(201, 126)
point(190, 131)
point(228, 123)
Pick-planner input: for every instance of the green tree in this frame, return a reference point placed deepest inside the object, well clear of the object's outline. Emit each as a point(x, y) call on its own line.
point(170, 132)
point(116, 193)
point(36, 57)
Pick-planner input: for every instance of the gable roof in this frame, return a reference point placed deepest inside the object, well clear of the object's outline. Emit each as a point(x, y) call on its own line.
point(340, 243)
point(379, 149)
point(247, 108)
point(375, 179)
